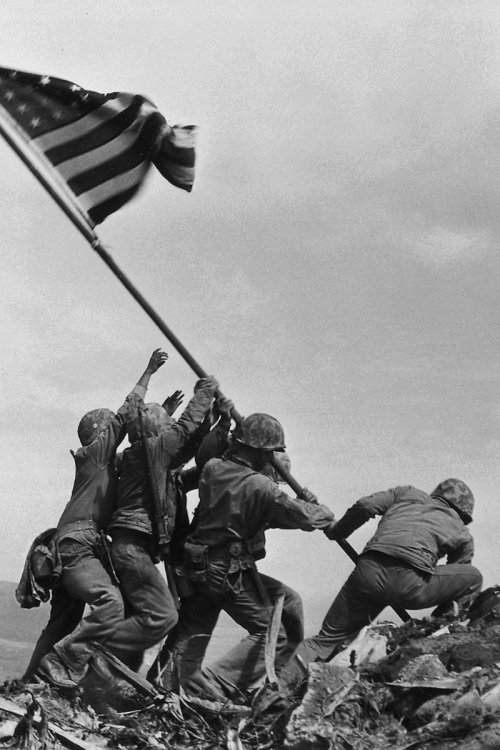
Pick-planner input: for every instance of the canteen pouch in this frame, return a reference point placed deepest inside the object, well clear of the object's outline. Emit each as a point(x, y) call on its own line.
point(196, 561)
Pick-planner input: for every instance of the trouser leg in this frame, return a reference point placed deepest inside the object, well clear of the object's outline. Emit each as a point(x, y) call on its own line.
point(85, 579)
point(413, 589)
point(292, 620)
point(65, 614)
point(244, 664)
point(359, 601)
point(293, 611)
point(151, 610)
point(185, 648)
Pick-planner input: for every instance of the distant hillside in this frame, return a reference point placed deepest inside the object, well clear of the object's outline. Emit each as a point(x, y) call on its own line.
point(16, 624)
point(19, 629)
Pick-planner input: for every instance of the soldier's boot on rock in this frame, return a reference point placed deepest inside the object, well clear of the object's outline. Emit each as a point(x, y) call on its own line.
point(271, 701)
point(200, 685)
point(53, 670)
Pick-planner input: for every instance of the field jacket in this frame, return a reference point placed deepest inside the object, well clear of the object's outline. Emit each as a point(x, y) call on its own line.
point(93, 495)
point(134, 497)
point(238, 503)
point(415, 527)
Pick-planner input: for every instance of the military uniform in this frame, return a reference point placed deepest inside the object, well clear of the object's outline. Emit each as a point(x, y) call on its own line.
point(85, 577)
point(151, 611)
point(237, 503)
point(398, 568)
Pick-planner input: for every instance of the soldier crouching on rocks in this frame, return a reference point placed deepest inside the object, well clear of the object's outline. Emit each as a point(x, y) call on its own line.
point(237, 503)
point(398, 566)
point(86, 576)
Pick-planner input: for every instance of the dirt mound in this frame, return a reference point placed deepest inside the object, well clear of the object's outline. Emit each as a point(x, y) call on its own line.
point(437, 687)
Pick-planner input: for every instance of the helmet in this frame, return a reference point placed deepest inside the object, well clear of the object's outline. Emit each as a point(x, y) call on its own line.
point(260, 431)
point(284, 459)
point(93, 423)
point(458, 496)
point(155, 420)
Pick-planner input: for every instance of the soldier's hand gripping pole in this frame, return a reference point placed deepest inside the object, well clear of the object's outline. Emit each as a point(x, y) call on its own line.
point(343, 543)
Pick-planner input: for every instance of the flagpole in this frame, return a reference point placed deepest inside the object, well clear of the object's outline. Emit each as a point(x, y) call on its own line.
point(82, 223)
point(26, 157)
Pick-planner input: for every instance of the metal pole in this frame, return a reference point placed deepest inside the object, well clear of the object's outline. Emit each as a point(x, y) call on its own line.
point(80, 221)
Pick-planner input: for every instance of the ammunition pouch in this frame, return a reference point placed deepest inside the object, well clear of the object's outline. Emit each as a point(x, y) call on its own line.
point(256, 546)
point(183, 581)
point(196, 561)
point(45, 563)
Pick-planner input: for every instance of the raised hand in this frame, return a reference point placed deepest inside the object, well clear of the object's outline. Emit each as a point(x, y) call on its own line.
point(173, 402)
point(157, 359)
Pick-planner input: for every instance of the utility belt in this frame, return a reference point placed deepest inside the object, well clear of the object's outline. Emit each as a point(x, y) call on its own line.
point(100, 544)
point(74, 526)
point(197, 558)
point(228, 551)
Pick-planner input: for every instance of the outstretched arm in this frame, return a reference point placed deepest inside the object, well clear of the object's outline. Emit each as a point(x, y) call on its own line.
point(105, 447)
point(157, 359)
point(364, 509)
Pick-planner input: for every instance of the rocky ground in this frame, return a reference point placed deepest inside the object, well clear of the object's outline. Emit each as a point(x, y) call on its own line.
point(427, 684)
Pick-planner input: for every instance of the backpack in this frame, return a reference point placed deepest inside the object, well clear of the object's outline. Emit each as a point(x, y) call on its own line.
point(42, 569)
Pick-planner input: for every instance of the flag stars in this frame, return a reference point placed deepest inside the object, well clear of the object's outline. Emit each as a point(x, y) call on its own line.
point(22, 108)
point(44, 81)
point(75, 88)
point(57, 115)
point(35, 122)
point(9, 95)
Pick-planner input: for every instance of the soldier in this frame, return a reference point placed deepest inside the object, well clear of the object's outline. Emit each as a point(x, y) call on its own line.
point(151, 610)
point(293, 612)
point(86, 575)
point(398, 566)
point(237, 503)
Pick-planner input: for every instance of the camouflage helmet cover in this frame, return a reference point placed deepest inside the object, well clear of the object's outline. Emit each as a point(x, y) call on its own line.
point(260, 431)
point(93, 423)
point(457, 494)
point(155, 420)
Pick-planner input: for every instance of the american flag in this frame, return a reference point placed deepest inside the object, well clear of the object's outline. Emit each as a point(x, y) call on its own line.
point(101, 145)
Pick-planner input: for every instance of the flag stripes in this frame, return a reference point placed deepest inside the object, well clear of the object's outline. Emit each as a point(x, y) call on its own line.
point(100, 145)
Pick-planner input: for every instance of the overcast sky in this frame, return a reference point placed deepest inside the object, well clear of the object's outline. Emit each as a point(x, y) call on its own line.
point(336, 265)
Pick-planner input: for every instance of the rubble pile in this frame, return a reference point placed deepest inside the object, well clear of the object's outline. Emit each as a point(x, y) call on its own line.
point(434, 686)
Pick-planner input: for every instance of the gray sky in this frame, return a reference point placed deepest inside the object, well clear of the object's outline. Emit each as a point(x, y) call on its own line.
point(336, 264)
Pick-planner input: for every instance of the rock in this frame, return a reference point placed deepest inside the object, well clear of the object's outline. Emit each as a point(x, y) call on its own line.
point(7, 728)
point(310, 726)
point(431, 710)
point(369, 647)
point(459, 651)
point(491, 698)
point(426, 672)
point(475, 651)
